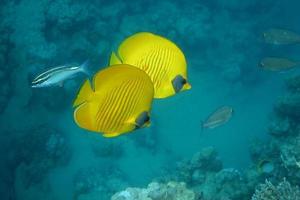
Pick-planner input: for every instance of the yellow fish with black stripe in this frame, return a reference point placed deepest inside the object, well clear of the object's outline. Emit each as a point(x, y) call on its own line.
point(160, 58)
point(119, 102)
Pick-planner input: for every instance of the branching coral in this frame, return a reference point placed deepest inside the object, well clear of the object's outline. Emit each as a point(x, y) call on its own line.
point(67, 13)
point(288, 106)
point(97, 180)
point(39, 151)
point(27, 28)
point(283, 191)
point(202, 163)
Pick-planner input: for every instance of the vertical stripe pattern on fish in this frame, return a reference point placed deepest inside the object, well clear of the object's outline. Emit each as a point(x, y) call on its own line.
point(160, 58)
point(121, 94)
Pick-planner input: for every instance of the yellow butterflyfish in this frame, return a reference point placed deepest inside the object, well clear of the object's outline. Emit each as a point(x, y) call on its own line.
point(119, 101)
point(160, 58)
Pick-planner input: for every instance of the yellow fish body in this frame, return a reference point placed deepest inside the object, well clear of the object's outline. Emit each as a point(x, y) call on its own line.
point(160, 58)
point(120, 101)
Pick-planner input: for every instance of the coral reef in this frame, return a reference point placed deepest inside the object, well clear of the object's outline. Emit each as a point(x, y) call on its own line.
point(38, 34)
point(157, 191)
point(97, 181)
point(282, 149)
point(38, 151)
point(209, 181)
point(293, 84)
point(288, 106)
point(265, 151)
point(205, 174)
point(285, 131)
point(107, 149)
point(196, 169)
point(27, 28)
point(283, 191)
point(227, 183)
point(67, 14)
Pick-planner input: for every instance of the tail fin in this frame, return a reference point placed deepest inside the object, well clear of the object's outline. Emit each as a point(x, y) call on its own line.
point(84, 68)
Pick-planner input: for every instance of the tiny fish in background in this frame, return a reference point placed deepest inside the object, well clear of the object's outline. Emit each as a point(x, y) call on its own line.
point(219, 117)
point(277, 64)
point(57, 75)
point(265, 166)
point(281, 36)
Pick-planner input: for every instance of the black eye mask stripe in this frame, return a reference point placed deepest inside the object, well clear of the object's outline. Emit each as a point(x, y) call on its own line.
point(178, 82)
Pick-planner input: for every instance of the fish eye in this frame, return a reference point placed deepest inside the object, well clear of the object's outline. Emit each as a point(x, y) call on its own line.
point(183, 81)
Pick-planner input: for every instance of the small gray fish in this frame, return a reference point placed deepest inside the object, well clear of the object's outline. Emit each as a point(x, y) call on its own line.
point(277, 64)
point(219, 117)
point(281, 36)
point(57, 76)
point(266, 167)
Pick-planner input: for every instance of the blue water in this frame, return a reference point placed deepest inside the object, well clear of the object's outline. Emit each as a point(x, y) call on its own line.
point(223, 44)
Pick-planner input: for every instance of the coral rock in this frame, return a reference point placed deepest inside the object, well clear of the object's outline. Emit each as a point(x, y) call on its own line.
point(157, 191)
point(283, 191)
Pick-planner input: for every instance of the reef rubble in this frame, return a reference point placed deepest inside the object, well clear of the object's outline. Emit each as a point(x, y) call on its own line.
point(157, 191)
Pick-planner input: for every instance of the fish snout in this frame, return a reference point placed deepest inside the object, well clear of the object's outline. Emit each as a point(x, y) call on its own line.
point(179, 83)
point(261, 64)
point(36, 85)
point(33, 85)
point(143, 120)
point(187, 86)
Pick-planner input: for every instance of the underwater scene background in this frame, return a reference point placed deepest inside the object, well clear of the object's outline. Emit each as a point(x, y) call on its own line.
point(255, 155)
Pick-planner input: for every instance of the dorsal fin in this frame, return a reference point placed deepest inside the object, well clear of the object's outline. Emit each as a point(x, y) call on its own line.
point(84, 94)
point(114, 59)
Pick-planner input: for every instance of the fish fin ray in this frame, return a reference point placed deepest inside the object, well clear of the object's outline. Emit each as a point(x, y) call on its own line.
point(110, 135)
point(85, 68)
point(82, 117)
point(84, 94)
point(114, 59)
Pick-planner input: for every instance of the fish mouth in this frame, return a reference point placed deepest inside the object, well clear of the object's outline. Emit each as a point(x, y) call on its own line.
point(143, 120)
point(35, 85)
point(178, 83)
point(261, 64)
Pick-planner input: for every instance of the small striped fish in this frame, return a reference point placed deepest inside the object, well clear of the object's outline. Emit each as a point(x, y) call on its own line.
point(159, 57)
point(57, 75)
point(120, 102)
point(219, 117)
